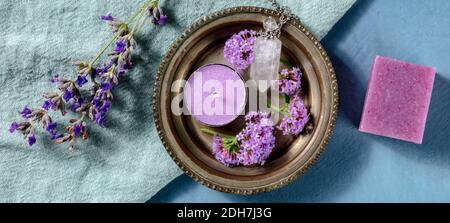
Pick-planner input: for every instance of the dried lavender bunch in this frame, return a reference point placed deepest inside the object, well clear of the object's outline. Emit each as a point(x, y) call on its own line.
point(98, 78)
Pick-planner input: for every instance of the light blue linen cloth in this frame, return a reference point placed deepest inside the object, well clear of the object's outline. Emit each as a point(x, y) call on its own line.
point(124, 162)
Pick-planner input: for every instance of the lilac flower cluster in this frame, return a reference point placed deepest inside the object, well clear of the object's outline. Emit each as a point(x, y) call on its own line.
point(238, 50)
point(252, 146)
point(289, 82)
point(256, 139)
point(224, 150)
point(295, 121)
point(102, 79)
point(295, 113)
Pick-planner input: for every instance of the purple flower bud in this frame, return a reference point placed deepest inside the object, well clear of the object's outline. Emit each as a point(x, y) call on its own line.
point(107, 17)
point(78, 129)
point(13, 127)
point(31, 139)
point(68, 94)
point(97, 72)
point(107, 86)
point(77, 104)
point(105, 107)
point(123, 69)
point(99, 118)
point(48, 104)
point(81, 80)
point(54, 135)
point(106, 68)
point(120, 46)
point(55, 79)
point(51, 126)
point(96, 101)
point(26, 112)
point(159, 18)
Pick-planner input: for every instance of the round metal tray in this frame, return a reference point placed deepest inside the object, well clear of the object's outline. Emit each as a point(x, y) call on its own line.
point(202, 43)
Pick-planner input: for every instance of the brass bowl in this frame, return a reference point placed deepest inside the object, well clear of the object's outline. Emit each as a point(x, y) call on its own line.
point(202, 43)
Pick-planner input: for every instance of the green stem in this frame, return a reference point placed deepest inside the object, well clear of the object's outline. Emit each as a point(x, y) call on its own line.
point(142, 24)
point(103, 50)
point(131, 20)
point(135, 14)
point(286, 62)
point(142, 13)
point(213, 133)
point(279, 110)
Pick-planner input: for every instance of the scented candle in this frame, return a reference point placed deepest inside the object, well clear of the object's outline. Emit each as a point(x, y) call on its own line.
point(397, 99)
point(215, 95)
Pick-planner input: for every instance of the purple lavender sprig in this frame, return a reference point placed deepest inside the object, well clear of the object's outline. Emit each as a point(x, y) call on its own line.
point(238, 50)
point(101, 80)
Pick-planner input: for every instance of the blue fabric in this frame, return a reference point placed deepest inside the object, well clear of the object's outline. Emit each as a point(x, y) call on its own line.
point(359, 167)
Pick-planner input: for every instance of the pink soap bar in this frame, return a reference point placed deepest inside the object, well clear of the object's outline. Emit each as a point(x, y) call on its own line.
point(397, 99)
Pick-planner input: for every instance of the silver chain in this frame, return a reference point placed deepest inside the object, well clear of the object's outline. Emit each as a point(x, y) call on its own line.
point(285, 15)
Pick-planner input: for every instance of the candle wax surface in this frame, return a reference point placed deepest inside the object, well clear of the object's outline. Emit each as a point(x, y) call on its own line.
point(397, 100)
point(217, 95)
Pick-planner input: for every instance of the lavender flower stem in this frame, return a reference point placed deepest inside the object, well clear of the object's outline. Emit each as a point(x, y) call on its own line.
point(137, 13)
point(142, 24)
point(279, 110)
point(214, 133)
point(119, 62)
point(141, 13)
point(111, 41)
point(103, 49)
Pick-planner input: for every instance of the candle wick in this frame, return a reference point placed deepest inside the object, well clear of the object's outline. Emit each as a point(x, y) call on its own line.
point(215, 94)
